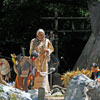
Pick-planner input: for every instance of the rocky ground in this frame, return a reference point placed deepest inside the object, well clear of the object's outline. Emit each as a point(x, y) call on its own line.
point(10, 93)
point(82, 88)
point(79, 88)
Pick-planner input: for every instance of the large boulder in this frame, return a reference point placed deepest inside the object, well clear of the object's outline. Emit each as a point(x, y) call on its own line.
point(82, 88)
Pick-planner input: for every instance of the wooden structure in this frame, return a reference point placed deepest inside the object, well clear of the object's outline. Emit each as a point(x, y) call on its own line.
point(54, 33)
point(41, 94)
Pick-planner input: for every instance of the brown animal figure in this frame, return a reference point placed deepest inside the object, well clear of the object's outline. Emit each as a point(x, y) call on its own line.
point(25, 70)
point(4, 71)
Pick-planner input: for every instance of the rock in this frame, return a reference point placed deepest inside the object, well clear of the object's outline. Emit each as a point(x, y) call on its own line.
point(7, 93)
point(82, 88)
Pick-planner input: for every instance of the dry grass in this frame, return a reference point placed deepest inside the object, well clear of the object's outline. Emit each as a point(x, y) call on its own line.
point(66, 78)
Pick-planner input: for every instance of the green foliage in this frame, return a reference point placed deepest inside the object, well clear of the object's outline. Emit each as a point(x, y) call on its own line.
point(84, 12)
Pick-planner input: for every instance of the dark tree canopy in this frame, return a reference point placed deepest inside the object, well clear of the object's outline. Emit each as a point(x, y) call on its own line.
point(20, 19)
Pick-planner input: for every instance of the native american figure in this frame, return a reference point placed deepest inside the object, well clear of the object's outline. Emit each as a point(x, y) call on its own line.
point(25, 70)
point(44, 48)
point(5, 74)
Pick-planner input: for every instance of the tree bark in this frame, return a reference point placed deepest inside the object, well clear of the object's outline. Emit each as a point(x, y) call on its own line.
point(83, 60)
point(91, 51)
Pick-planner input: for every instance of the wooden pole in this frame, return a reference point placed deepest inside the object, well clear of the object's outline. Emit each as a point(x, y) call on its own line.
point(41, 93)
point(51, 39)
point(56, 34)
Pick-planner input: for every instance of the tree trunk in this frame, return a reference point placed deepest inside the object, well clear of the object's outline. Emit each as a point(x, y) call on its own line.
point(91, 51)
point(83, 60)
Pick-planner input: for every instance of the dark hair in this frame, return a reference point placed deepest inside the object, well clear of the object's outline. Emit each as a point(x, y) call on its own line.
point(34, 54)
point(94, 65)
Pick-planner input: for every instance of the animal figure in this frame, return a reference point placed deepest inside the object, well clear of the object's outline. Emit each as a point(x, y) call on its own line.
point(4, 71)
point(25, 70)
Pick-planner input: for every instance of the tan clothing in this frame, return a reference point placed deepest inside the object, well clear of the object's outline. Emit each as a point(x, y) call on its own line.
point(42, 61)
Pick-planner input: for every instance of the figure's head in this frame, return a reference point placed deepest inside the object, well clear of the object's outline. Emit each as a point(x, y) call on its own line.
point(40, 34)
point(5, 69)
point(94, 67)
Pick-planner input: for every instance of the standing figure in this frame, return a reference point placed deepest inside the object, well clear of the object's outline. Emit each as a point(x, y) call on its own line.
point(44, 48)
point(5, 74)
point(95, 72)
